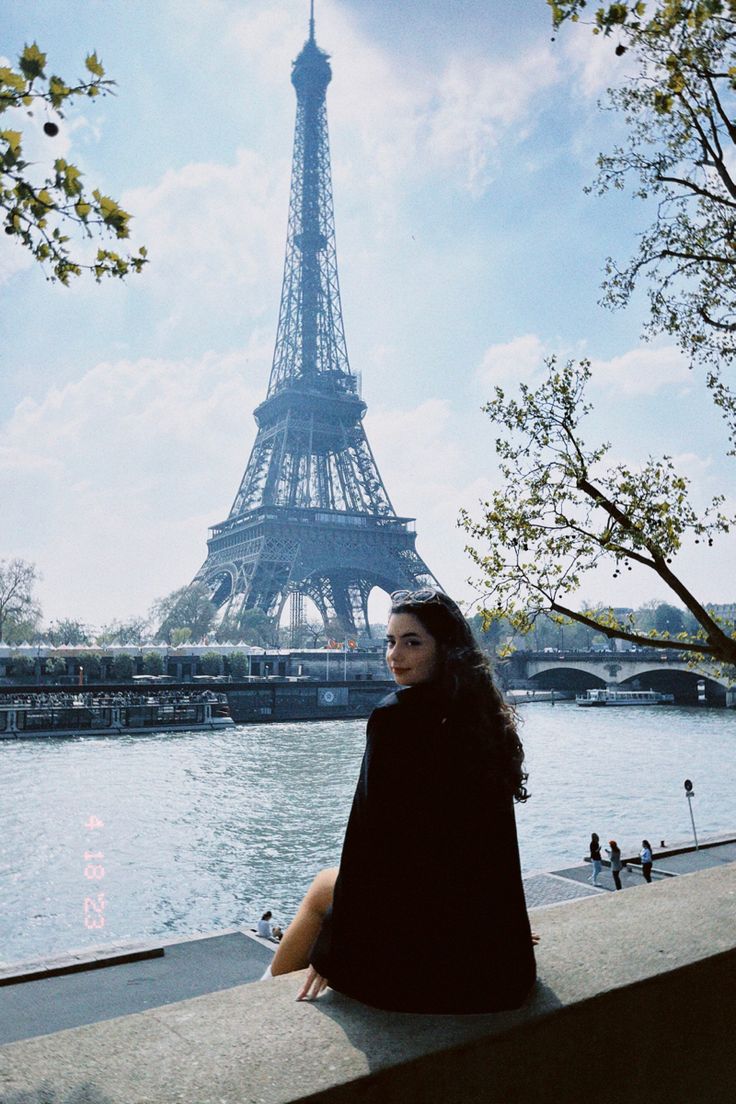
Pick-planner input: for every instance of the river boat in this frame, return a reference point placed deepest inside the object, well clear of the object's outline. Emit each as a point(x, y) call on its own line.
point(624, 697)
point(87, 714)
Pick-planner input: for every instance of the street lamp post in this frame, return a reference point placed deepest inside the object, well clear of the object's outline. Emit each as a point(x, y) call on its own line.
point(690, 794)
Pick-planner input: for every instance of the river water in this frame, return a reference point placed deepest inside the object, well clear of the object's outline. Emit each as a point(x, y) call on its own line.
point(104, 839)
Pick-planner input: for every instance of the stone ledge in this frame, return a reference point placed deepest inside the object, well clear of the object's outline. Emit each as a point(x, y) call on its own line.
point(649, 974)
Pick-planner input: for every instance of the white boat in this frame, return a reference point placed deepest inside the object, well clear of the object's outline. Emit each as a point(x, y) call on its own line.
point(624, 697)
point(101, 714)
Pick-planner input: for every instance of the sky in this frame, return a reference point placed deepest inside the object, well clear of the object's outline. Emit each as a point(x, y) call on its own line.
point(462, 138)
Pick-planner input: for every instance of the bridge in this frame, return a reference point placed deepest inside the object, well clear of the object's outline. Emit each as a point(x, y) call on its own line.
point(642, 669)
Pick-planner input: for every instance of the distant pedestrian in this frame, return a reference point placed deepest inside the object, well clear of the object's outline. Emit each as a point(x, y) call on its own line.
point(264, 925)
point(595, 858)
point(614, 851)
point(646, 860)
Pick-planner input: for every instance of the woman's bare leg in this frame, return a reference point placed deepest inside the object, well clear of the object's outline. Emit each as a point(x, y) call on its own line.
point(292, 952)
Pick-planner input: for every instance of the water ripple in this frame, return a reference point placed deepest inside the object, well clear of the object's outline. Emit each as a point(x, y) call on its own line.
point(202, 831)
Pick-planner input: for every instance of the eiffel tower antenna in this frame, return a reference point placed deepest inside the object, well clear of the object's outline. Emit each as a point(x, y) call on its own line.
point(311, 518)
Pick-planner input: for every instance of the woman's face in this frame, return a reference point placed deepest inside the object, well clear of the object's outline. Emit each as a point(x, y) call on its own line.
point(411, 652)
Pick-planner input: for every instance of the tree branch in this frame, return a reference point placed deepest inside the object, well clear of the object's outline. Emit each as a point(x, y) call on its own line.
point(633, 637)
point(696, 189)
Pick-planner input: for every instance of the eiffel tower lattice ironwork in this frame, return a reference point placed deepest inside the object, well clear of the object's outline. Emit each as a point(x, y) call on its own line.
point(312, 517)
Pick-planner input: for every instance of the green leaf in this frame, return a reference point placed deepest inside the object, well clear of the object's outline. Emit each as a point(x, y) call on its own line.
point(12, 79)
point(13, 138)
point(58, 91)
point(32, 62)
point(93, 64)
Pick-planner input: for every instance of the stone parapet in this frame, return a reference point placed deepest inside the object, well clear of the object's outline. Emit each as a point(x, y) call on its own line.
point(635, 1003)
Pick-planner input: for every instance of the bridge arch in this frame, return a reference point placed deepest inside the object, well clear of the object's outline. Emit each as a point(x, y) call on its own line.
point(687, 686)
point(566, 678)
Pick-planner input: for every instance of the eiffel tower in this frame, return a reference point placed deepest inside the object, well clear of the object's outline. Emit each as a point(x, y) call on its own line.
point(312, 517)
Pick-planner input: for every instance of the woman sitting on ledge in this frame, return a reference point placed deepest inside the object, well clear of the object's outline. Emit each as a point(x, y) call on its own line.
point(431, 834)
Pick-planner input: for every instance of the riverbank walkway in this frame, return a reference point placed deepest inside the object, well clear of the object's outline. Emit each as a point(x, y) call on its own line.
point(546, 888)
point(102, 983)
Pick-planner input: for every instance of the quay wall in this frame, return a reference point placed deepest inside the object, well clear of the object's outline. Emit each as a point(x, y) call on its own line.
point(634, 1003)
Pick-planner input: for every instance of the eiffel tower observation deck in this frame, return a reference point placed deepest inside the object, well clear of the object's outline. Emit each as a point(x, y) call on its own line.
point(312, 517)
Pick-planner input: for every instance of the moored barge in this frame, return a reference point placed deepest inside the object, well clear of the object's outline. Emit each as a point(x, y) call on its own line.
point(93, 714)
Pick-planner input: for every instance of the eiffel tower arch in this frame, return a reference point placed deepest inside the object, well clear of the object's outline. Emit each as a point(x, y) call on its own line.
point(312, 517)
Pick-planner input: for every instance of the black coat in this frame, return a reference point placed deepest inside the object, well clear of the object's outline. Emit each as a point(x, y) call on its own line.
point(428, 912)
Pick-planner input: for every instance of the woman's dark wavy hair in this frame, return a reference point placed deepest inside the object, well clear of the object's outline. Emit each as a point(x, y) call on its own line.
point(467, 678)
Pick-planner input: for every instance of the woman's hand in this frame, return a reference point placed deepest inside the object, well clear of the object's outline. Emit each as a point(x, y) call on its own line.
point(535, 938)
point(313, 986)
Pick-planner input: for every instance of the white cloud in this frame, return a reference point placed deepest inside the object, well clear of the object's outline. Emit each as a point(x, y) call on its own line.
point(113, 480)
point(642, 371)
point(480, 103)
point(419, 449)
point(14, 258)
point(592, 60)
point(517, 361)
point(215, 236)
point(430, 473)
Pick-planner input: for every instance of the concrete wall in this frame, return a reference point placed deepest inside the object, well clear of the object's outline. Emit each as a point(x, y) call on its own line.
point(635, 1005)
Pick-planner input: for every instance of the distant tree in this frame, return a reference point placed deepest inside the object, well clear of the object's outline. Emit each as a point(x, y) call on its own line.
point(669, 620)
point(377, 634)
point(132, 631)
point(315, 633)
point(55, 667)
point(238, 664)
point(211, 663)
point(17, 605)
point(256, 627)
point(657, 617)
point(22, 668)
point(25, 629)
point(91, 663)
point(122, 667)
point(310, 634)
point(153, 663)
point(492, 635)
point(180, 637)
point(40, 212)
point(334, 630)
point(574, 635)
point(69, 633)
point(187, 608)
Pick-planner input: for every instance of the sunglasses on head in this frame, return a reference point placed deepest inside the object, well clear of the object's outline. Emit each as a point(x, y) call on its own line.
point(426, 594)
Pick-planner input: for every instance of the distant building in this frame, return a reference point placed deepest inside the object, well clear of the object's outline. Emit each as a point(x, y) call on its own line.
point(722, 611)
